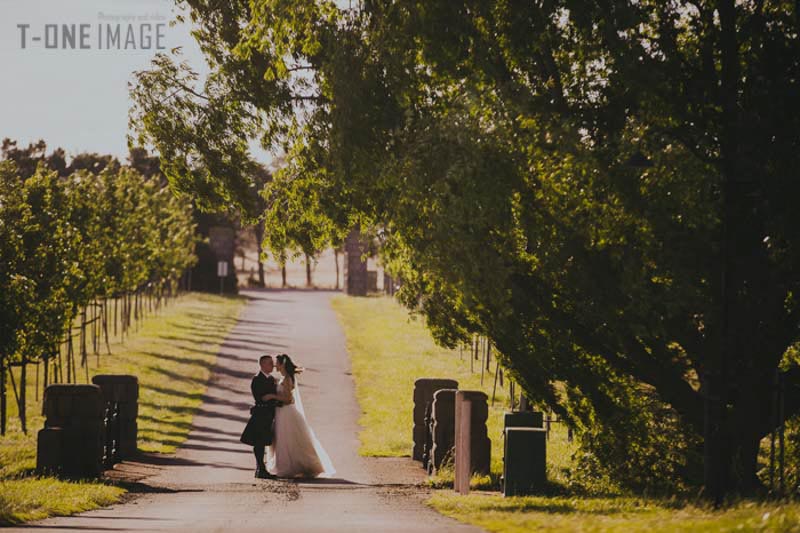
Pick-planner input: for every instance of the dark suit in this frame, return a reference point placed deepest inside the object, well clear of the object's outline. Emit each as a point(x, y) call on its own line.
point(258, 431)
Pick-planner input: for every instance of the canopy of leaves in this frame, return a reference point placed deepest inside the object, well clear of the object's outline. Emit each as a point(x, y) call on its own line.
point(605, 189)
point(69, 240)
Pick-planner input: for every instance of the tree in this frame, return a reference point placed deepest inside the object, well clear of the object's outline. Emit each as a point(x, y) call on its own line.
point(67, 242)
point(605, 190)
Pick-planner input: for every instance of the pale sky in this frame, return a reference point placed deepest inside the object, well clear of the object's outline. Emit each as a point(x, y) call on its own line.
point(78, 98)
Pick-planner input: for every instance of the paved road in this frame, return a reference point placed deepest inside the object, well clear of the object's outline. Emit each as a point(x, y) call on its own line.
point(208, 485)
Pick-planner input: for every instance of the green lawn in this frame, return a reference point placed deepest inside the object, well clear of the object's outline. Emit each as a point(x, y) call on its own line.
point(389, 351)
point(172, 354)
point(617, 514)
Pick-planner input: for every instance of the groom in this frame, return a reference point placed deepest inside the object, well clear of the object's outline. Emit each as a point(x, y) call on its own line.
point(258, 432)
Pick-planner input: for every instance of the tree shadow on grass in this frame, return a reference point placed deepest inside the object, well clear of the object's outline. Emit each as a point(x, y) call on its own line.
point(181, 360)
point(201, 411)
point(211, 319)
point(605, 506)
point(181, 424)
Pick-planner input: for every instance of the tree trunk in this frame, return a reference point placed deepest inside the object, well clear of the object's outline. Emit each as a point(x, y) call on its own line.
point(23, 380)
point(84, 349)
point(283, 276)
point(308, 271)
point(105, 324)
point(336, 260)
point(259, 231)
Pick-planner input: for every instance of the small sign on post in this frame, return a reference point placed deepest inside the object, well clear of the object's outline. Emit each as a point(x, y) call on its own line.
point(222, 272)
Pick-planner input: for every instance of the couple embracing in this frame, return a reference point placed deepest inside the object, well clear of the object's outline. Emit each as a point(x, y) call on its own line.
point(284, 444)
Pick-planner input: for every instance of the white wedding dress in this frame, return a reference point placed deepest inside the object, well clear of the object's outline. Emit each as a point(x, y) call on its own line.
point(295, 450)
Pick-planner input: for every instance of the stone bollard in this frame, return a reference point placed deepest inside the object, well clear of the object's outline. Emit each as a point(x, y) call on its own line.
point(473, 447)
point(122, 390)
point(524, 460)
point(71, 443)
point(443, 428)
point(424, 388)
point(428, 444)
point(523, 419)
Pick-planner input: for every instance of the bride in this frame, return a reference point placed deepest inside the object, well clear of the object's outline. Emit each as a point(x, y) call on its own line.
point(295, 451)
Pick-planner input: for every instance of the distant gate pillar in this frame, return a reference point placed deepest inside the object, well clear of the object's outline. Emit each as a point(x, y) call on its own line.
point(355, 269)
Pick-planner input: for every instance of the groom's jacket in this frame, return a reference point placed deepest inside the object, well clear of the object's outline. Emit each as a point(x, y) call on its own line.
point(262, 385)
point(258, 431)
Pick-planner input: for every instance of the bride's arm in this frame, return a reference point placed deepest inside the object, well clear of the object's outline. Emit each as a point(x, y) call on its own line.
point(286, 396)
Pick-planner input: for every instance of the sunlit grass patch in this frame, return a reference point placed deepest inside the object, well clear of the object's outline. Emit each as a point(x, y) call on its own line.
point(389, 351)
point(617, 514)
point(32, 498)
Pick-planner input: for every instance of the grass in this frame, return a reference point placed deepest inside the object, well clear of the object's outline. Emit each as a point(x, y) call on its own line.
point(33, 498)
point(616, 514)
point(172, 354)
point(389, 351)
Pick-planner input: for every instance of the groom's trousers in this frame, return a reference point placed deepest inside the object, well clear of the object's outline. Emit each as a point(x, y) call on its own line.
point(258, 451)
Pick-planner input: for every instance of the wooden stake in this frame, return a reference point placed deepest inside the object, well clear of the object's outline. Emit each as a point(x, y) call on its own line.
point(23, 380)
point(482, 367)
point(496, 374)
point(105, 325)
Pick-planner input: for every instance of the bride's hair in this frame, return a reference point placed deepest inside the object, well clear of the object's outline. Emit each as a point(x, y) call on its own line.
point(288, 364)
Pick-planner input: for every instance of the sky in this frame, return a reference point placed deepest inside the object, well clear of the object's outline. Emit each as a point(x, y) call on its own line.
point(73, 97)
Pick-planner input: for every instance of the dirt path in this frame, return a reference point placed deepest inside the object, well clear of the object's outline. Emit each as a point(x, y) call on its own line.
point(208, 485)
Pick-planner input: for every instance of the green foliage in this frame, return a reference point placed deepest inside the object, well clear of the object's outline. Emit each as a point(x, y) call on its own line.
point(605, 190)
point(70, 240)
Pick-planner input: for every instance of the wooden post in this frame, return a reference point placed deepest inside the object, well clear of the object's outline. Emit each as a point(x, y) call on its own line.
point(463, 448)
point(483, 371)
point(336, 260)
point(496, 374)
point(472, 355)
point(94, 327)
point(84, 348)
point(23, 380)
point(105, 324)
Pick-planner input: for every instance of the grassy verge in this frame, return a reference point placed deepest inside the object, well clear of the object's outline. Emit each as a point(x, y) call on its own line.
point(172, 354)
point(618, 514)
point(389, 352)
